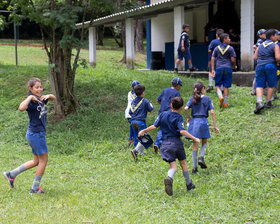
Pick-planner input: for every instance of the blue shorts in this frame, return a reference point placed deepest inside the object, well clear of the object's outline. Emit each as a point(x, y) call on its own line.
point(172, 149)
point(137, 126)
point(223, 77)
point(37, 141)
point(266, 74)
point(199, 128)
point(186, 54)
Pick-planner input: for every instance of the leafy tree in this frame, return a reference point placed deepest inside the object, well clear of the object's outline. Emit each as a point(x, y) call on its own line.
point(62, 40)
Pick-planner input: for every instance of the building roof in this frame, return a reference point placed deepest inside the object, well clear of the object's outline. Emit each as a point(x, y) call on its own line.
point(144, 12)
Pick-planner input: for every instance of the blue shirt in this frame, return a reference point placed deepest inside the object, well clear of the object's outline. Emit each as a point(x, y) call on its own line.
point(37, 113)
point(223, 54)
point(201, 108)
point(213, 44)
point(259, 42)
point(266, 53)
point(165, 98)
point(185, 38)
point(171, 123)
point(139, 108)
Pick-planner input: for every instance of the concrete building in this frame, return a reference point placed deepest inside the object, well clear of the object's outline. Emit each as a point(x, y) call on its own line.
point(164, 19)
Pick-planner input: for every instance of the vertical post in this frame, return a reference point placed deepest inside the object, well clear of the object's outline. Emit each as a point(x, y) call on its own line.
point(247, 34)
point(179, 20)
point(129, 32)
point(15, 36)
point(148, 39)
point(92, 46)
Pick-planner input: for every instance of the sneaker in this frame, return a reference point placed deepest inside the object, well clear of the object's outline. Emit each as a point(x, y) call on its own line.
point(268, 105)
point(221, 102)
point(168, 181)
point(175, 70)
point(194, 170)
point(156, 148)
point(202, 163)
point(225, 105)
point(38, 191)
point(209, 89)
point(190, 186)
point(253, 93)
point(193, 69)
point(259, 107)
point(134, 154)
point(9, 179)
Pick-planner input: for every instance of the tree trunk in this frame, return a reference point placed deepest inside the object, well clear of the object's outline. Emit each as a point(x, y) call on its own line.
point(100, 35)
point(139, 36)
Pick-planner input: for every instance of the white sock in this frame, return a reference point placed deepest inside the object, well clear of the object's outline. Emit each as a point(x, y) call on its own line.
point(171, 173)
point(211, 78)
point(220, 94)
point(259, 99)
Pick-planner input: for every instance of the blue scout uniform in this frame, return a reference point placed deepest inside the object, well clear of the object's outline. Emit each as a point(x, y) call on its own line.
point(37, 113)
point(199, 126)
point(213, 44)
point(278, 66)
point(186, 54)
point(171, 123)
point(259, 42)
point(266, 70)
point(138, 111)
point(223, 54)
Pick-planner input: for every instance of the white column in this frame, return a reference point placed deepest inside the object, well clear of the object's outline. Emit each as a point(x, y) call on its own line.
point(179, 20)
point(129, 39)
point(92, 46)
point(247, 34)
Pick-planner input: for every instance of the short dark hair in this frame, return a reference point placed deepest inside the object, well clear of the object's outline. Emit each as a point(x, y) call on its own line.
point(177, 102)
point(185, 26)
point(223, 36)
point(269, 33)
point(139, 89)
point(219, 32)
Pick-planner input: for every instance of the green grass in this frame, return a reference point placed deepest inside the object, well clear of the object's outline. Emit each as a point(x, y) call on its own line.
point(91, 176)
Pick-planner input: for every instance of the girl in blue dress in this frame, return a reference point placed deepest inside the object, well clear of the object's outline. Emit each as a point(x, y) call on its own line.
point(198, 123)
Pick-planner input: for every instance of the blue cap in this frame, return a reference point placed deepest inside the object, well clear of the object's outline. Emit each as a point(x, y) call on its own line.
point(177, 81)
point(134, 83)
point(261, 31)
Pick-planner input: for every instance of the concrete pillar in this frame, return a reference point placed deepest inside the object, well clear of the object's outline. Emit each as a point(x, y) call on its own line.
point(247, 34)
point(92, 46)
point(179, 20)
point(129, 39)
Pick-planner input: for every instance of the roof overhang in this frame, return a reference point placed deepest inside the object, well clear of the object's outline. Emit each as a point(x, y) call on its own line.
point(144, 12)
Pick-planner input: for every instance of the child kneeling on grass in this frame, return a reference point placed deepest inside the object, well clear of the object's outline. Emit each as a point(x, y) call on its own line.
point(171, 124)
point(36, 106)
point(199, 126)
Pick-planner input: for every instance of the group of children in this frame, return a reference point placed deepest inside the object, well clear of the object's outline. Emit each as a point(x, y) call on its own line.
point(171, 124)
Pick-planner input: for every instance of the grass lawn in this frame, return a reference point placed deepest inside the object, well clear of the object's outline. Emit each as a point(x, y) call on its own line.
point(91, 176)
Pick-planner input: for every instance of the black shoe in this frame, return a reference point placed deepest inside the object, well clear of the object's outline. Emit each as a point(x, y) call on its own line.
point(176, 70)
point(269, 105)
point(168, 181)
point(259, 107)
point(134, 154)
point(190, 186)
point(194, 170)
point(193, 69)
point(202, 163)
point(9, 178)
point(209, 89)
point(156, 148)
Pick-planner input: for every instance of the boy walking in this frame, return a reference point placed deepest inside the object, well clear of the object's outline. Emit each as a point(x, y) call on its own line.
point(164, 100)
point(225, 58)
point(267, 56)
point(184, 49)
point(138, 111)
point(172, 125)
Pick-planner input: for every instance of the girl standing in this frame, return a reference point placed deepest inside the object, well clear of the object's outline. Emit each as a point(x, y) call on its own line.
point(36, 106)
point(198, 124)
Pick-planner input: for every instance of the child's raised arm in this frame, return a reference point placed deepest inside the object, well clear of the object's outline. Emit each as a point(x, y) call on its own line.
point(214, 120)
point(24, 104)
point(48, 97)
point(150, 128)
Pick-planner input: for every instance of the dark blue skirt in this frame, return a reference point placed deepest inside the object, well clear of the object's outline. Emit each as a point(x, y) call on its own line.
point(199, 128)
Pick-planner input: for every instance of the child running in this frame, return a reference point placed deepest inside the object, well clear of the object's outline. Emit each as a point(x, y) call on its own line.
point(164, 100)
point(199, 126)
point(138, 111)
point(172, 125)
point(130, 97)
point(36, 106)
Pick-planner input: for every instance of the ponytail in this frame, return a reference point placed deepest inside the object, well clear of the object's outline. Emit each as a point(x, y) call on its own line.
point(197, 92)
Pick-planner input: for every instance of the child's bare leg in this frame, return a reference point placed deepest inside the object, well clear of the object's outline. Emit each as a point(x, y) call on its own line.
point(32, 163)
point(43, 160)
